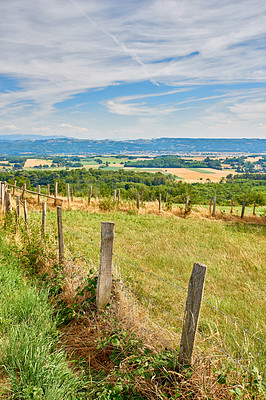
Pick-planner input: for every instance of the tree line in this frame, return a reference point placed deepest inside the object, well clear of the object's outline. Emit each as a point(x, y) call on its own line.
point(150, 185)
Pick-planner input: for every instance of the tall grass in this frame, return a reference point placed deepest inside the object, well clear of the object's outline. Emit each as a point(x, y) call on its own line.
point(34, 367)
point(168, 246)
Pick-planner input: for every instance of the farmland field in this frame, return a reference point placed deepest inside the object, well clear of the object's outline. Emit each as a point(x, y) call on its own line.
point(168, 246)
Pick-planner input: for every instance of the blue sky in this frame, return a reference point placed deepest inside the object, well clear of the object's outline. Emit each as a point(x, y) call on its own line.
point(133, 69)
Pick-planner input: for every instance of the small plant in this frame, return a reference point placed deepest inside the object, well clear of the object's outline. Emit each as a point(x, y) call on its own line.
point(106, 204)
point(86, 296)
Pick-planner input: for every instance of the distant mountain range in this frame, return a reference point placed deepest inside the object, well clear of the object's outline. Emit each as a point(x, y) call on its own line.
point(50, 146)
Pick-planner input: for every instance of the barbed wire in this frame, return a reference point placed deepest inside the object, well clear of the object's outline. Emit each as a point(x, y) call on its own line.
point(79, 255)
point(150, 301)
point(165, 281)
point(150, 273)
point(81, 237)
point(229, 355)
point(235, 322)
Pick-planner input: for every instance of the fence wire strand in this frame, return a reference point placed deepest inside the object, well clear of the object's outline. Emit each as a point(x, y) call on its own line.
point(153, 303)
point(150, 301)
point(229, 355)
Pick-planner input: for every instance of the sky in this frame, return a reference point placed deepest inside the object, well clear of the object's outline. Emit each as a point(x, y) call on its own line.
point(129, 69)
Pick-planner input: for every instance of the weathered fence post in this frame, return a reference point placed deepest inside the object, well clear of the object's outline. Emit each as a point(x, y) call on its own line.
point(90, 194)
point(210, 206)
point(232, 204)
point(167, 195)
point(44, 218)
point(48, 189)
point(2, 190)
point(160, 202)
point(39, 194)
point(254, 208)
point(104, 283)
point(60, 235)
point(55, 193)
point(8, 201)
point(17, 208)
point(24, 191)
point(187, 203)
point(142, 194)
point(118, 195)
point(25, 212)
point(72, 194)
point(192, 312)
point(214, 206)
point(137, 200)
point(114, 195)
point(243, 208)
point(68, 194)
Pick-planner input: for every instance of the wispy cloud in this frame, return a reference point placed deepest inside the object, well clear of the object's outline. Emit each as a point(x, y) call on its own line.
point(56, 50)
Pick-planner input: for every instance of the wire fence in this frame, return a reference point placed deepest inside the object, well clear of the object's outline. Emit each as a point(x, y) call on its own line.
point(74, 256)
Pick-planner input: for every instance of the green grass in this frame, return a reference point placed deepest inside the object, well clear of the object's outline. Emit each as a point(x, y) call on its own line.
point(35, 367)
point(168, 246)
point(202, 171)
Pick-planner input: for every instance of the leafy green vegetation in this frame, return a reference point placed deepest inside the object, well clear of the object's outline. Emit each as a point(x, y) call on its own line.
point(35, 367)
point(249, 186)
point(175, 162)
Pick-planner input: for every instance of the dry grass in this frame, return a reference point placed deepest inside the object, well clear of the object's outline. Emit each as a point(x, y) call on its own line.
point(34, 162)
point(150, 326)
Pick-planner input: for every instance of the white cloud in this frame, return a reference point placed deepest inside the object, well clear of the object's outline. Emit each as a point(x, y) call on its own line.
point(57, 49)
point(72, 127)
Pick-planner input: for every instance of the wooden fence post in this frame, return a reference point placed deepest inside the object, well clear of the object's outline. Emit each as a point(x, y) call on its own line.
point(160, 202)
point(2, 189)
point(48, 189)
point(243, 208)
point(55, 193)
point(39, 194)
point(137, 200)
point(254, 208)
point(104, 283)
point(187, 203)
point(17, 207)
point(142, 194)
point(114, 195)
point(25, 212)
point(90, 194)
point(192, 312)
point(8, 201)
point(24, 191)
point(44, 218)
point(68, 194)
point(95, 193)
point(60, 235)
point(210, 206)
point(118, 195)
point(72, 194)
point(232, 204)
point(214, 206)
point(167, 195)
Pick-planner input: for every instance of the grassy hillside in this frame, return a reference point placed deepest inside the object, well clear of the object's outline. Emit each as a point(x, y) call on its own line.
point(168, 246)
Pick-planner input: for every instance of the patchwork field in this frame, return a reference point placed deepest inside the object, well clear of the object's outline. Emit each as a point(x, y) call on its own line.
point(35, 162)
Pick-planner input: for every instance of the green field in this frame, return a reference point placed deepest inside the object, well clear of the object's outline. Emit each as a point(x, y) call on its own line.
point(168, 246)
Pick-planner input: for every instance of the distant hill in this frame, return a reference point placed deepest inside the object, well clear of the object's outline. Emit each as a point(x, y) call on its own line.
point(28, 137)
point(141, 146)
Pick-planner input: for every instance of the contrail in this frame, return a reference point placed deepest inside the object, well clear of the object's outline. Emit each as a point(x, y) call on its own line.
point(131, 53)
